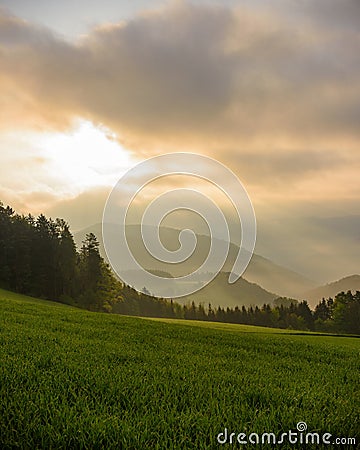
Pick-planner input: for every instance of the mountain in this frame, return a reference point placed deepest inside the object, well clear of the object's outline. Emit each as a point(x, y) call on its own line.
point(220, 293)
point(351, 283)
point(322, 248)
point(270, 276)
point(276, 278)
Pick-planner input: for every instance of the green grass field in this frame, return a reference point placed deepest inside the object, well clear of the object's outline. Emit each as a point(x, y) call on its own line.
point(75, 379)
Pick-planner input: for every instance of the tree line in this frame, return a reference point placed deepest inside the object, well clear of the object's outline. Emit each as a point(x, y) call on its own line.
point(338, 315)
point(38, 257)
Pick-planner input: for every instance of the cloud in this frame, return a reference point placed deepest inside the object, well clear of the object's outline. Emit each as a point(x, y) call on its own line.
point(188, 73)
point(273, 92)
point(76, 210)
point(333, 14)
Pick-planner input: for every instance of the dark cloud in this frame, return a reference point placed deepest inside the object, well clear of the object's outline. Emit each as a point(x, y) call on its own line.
point(188, 73)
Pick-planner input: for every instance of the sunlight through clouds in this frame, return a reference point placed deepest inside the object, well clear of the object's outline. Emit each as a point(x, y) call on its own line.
point(87, 156)
point(43, 168)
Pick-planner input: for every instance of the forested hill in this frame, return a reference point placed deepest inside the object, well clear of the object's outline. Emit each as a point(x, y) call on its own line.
point(350, 283)
point(38, 257)
point(261, 271)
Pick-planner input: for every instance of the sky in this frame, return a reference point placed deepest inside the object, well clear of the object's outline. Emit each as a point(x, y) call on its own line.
point(270, 89)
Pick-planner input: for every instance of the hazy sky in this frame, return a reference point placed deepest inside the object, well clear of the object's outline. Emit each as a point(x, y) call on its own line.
point(270, 89)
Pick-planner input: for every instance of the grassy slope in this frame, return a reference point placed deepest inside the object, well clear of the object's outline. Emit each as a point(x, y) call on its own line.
point(74, 379)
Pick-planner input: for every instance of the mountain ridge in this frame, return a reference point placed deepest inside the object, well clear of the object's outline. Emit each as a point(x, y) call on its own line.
point(261, 271)
point(349, 283)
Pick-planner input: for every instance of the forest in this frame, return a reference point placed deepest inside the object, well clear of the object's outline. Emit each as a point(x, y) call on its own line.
point(38, 257)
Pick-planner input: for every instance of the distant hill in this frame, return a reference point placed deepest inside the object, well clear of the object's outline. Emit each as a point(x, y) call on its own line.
point(220, 293)
point(351, 283)
point(270, 276)
point(276, 278)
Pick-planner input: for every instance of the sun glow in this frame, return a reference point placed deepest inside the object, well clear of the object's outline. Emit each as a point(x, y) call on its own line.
point(86, 157)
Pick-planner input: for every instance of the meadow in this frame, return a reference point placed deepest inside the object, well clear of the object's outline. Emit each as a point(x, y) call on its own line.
point(75, 379)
